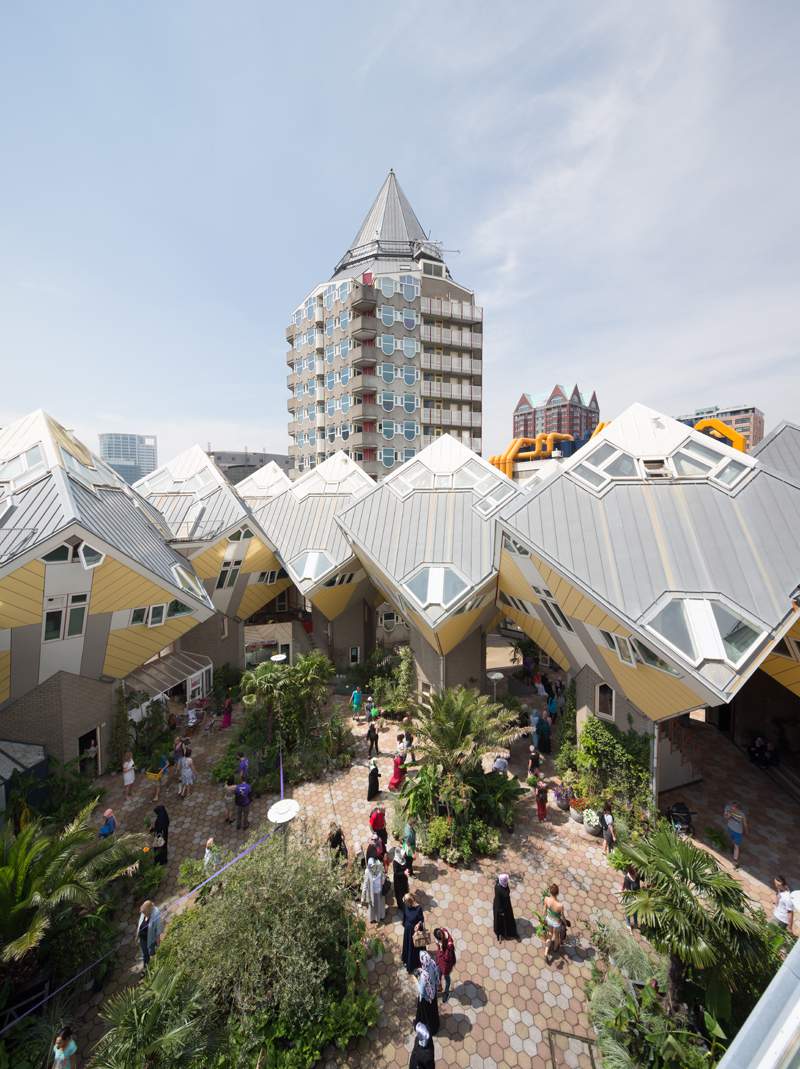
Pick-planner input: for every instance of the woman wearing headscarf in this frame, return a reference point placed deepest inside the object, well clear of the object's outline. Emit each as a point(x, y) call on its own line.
point(376, 850)
point(372, 891)
point(428, 993)
point(336, 843)
point(413, 920)
point(505, 924)
point(422, 1054)
point(160, 832)
point(373, 784)
point(399, 876)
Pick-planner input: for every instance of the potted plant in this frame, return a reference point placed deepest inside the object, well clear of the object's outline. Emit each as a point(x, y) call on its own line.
point(576, 808)
point(591, 821)
point(563, 796)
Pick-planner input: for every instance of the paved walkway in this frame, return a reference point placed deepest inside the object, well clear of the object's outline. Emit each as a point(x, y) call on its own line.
point(504, 999)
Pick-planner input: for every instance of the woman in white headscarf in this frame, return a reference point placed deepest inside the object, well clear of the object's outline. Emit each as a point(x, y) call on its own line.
point(372, 890)
point(428, 993)
point(422, 1054)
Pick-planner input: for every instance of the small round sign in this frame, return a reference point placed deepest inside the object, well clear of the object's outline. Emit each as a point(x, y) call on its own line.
point(284, 811)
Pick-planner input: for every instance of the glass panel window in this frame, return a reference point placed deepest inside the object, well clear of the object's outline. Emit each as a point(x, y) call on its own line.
point(177, 608)
point(387, 315)
point(409, 430)
point(409, 375)
point(689, 466)
point(409, 347)
point(731, 472)
point(345, 376)
point(52, 624)
point(386, 372)
point(59, 555)
point(409, 318)
point(623, 466)
point(601, 454)
point(671, 624)
point(138, 616)
point(710, 456)
point(409, 402)
point(589, 474)
point(387, 457)
point(738, 637)
point(605, 701)
point(409, 454)
point(156, 615)
point(388, 429)
point(387, 343)
point(651, 659)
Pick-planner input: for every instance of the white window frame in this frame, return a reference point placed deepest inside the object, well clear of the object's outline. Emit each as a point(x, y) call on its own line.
point(138, 623)
point(87, 566)
point(357, 658)
point(704, 632)
point(603, 716)
point(151, 621)
point(229, 573)
point(65, 605)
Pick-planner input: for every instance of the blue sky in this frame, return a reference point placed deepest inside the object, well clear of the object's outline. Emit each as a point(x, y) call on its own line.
point(621, 180)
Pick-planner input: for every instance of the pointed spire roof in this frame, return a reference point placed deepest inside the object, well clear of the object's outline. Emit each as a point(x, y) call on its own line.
point(391, 229)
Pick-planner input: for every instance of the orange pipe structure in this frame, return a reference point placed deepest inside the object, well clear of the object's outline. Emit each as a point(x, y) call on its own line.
point(543, 445)
point(599, 427)
point(715, 428)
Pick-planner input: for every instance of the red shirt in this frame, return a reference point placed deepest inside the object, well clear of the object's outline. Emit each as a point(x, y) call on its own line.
point(446, 959)
point(377, 820)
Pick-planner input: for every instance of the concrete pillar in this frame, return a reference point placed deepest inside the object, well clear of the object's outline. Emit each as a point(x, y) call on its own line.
point(465, 666)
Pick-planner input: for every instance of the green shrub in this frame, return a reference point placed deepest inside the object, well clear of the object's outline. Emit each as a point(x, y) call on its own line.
point(190, 873)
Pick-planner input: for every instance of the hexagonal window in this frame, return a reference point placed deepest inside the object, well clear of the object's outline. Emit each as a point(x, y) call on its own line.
point(436, 585)
point(311, 566)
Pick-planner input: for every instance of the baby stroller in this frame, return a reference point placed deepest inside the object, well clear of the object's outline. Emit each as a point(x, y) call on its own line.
point(680, 817)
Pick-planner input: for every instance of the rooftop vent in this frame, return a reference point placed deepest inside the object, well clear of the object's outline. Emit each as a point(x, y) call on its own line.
point(657, 469)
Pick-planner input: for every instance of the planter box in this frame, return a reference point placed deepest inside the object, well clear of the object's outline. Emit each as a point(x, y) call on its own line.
point(563, 805)
point(592, 829)
point(576, 815)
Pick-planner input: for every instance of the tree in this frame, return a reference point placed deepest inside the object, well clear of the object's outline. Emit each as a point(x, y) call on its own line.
point(695, 912)
point(45, 872)
point(161, 1023)
point(455, 728)
point(291, 695)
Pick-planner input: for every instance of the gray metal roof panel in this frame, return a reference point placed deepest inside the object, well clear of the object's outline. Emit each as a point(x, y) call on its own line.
point(39, 513)
point(780, 450)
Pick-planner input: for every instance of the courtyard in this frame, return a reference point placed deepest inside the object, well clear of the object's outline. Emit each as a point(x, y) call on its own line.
point(507, 1008)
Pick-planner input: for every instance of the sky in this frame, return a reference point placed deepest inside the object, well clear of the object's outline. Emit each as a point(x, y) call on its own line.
point(620, 180)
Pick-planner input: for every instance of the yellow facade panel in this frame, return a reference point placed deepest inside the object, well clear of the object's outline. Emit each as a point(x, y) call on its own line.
point(207, 564)
point(257, 595)
point(132, 646)
point(655, 693)
point(259, 558)
point(456, 629)
point(783, 671)
point(511, 579)
point(22, 596)
point(538, 633)
point(333, 600)
point(5, 674)
point(116, 586)
point(574, 602)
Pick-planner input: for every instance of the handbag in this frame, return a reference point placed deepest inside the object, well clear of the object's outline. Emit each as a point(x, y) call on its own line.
point(386, 890)
point(421, 938)
point(158, 840)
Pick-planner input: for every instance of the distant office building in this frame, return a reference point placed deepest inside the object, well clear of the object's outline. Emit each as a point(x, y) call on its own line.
point(746, 419)
point(237, 466)
point(130, 455)
point(556, 412)
point(387, 354)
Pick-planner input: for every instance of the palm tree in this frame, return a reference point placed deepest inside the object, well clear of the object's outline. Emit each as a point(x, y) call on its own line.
point(159, 1023)
point(43, 872)
point(691, 909)
point(454, 729)
point(291, 692)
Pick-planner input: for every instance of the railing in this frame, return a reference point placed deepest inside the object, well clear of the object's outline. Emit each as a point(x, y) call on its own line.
point(457, 390)
point(441, 417)
point(469, 313)
point(457, 365)
point(461, 339)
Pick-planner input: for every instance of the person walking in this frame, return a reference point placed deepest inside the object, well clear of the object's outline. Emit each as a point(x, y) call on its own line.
point(607, 827)
point(372, 891)
point(355, 702)
point(534, 760)
point(410, 844)
point(541, 800)
point(783, 914)
point(373, 780)
point(411, 757)
point(65, 1050)
point(544, 734)
point(188, 775)
point(128, 774)
point(177, 756)
point(229, 798)
point(400, 875)
point(427, 993)
point(159, 829)
point(336, 843)
point(109, 825)
point(736, 822)
point(398, 773)
point(372, 739)
point(413, 921)
point(244, 767)
point(422, 1056)
point(227, 712)
point(377, 821)
point(148, 930)
point(243, 798)
point(211, 859)
point(631, 882)
point(445, 958)
point(556, 922)
point(505, 924)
